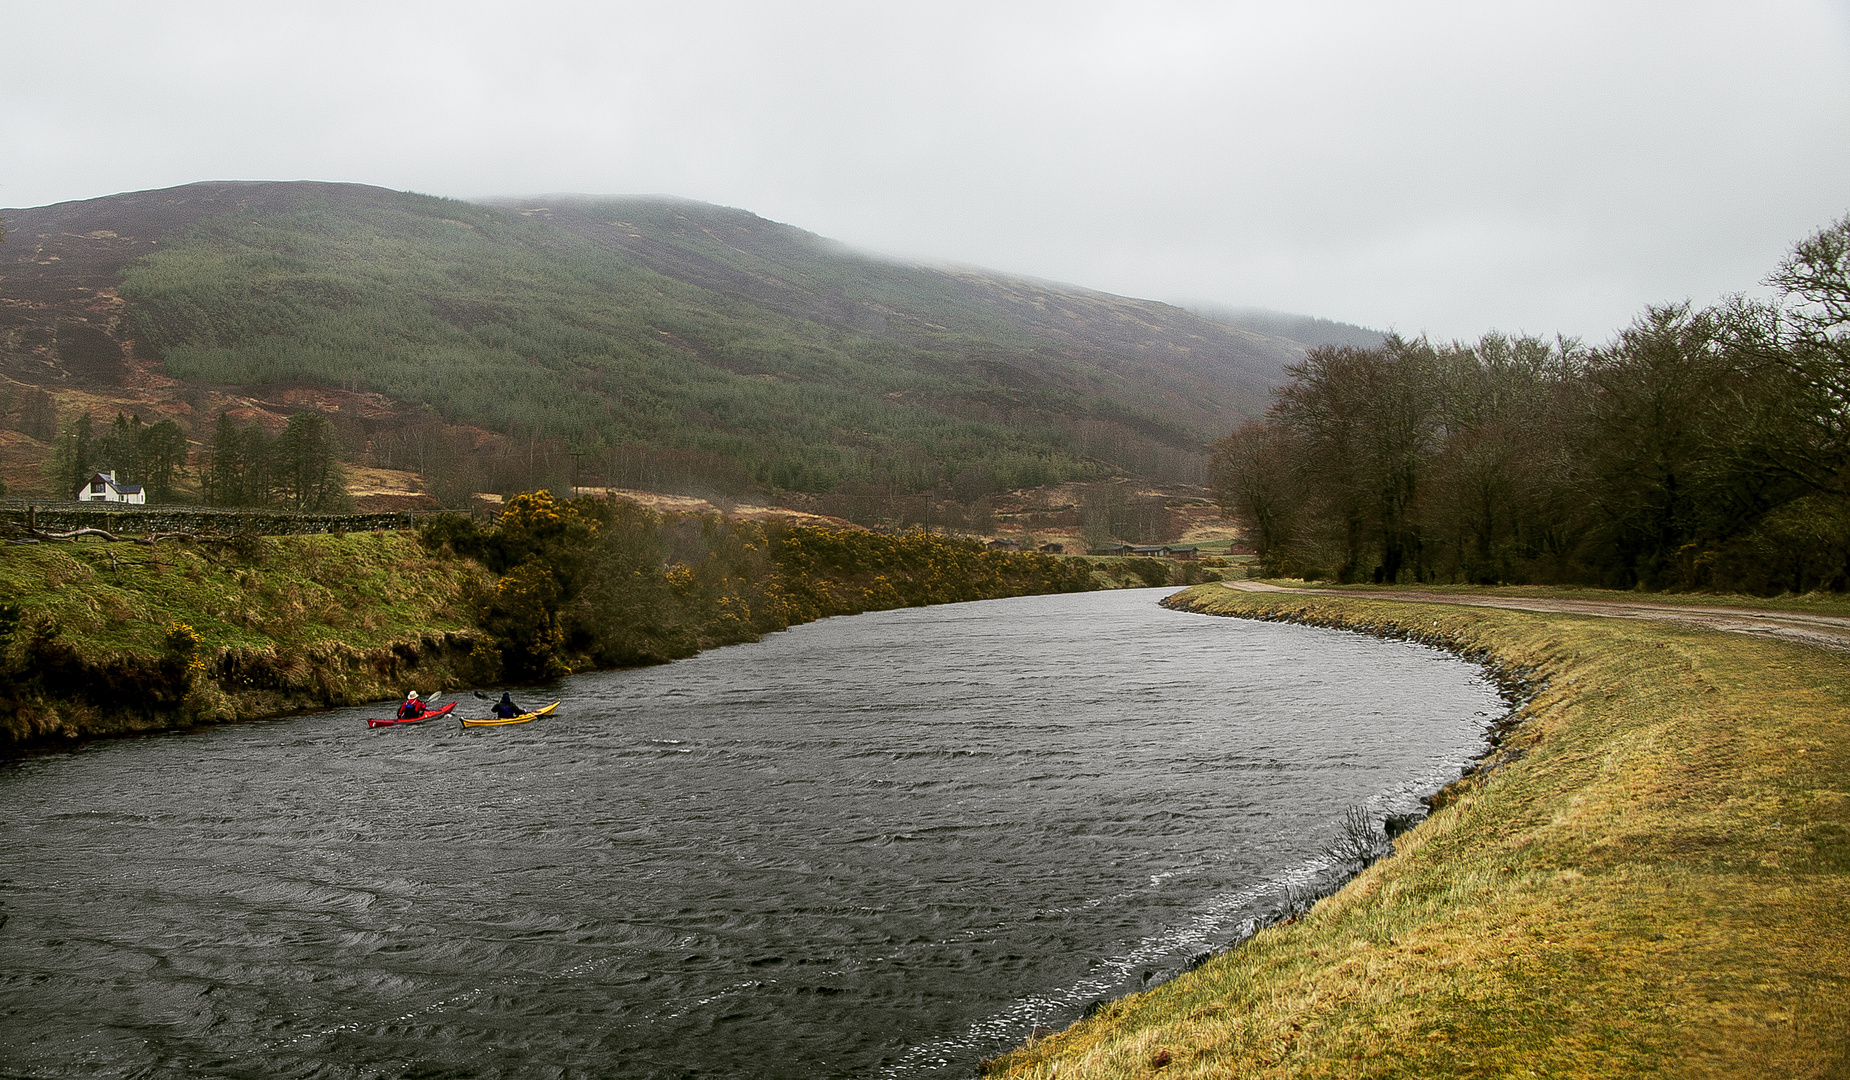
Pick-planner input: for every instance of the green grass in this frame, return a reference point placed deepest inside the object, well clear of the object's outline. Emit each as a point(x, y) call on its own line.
point(362, 589)
point(1651, 883)
point(283, 624)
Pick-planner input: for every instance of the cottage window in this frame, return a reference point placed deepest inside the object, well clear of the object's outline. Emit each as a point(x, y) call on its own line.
point(96, 487)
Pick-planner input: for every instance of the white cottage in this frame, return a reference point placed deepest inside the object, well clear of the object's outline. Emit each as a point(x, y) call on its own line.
point(103, 488)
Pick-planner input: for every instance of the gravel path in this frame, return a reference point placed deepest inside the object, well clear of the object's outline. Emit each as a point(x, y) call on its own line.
point(1829, 631)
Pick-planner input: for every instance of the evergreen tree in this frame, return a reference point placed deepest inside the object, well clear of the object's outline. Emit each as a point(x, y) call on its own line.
point(120, 449)
point(307, 475)
point(257, 455)
point(73, 458)
point(224, 467)
point(163, 458)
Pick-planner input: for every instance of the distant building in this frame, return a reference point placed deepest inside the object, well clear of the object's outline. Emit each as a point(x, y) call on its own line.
point(1159, 551)
point(103, 488)
point(1003, 545)
point(1053, 549)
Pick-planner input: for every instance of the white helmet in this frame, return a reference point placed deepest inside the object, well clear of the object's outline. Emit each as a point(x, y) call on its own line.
point(414, 695)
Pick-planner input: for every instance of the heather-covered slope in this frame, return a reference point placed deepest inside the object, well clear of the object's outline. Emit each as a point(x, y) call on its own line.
point(766, 355)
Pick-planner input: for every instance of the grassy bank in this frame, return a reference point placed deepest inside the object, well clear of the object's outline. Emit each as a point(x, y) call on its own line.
point(88, 641)
point(1811, 603)
point(105, 639)
point(1646, 878)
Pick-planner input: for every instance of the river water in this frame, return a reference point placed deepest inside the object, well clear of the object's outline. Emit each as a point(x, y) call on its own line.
point(879, 846)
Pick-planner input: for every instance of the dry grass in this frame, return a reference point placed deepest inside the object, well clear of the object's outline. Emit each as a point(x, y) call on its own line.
point(1812, 603)
point(1651, 883)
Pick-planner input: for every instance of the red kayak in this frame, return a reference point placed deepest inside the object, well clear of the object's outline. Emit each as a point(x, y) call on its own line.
point(429, 714)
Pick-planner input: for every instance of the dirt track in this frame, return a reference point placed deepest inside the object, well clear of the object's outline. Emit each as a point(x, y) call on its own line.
point(1829, 631)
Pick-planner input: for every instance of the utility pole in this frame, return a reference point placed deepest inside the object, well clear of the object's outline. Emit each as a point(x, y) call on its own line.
point(575, 455)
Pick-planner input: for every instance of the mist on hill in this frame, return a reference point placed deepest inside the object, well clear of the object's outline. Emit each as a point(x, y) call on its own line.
point(638, 342)
point(1307, 330)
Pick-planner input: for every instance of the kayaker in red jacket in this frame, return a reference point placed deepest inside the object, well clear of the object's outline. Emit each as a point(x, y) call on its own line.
point(412, 707)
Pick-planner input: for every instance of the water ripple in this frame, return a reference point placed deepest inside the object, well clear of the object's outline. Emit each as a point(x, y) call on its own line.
point(886, 845)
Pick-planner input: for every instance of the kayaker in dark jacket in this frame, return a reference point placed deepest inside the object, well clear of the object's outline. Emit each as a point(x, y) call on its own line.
point(506, 709)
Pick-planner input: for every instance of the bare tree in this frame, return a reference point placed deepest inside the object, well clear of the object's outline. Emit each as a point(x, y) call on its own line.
point(1257, 483)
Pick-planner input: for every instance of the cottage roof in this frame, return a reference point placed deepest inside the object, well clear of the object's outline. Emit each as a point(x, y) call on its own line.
point(110, 479)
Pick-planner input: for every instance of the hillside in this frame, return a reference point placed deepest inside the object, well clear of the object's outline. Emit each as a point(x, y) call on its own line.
point(1304, 329)
point(662, 342)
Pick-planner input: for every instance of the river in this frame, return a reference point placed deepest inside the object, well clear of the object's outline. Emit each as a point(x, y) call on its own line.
point(878, 846)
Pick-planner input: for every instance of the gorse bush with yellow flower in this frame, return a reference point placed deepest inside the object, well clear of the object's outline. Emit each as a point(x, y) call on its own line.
point(587, 583)
point(184, 642)
point(825, 572)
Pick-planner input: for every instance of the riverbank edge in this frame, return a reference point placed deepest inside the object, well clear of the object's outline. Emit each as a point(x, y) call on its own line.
point(1287, 1001)
point(1516, 685)
point(103, 640)
point(108, 693)
point(245, 685)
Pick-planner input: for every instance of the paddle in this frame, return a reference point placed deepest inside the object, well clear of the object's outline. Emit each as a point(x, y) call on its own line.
point(479, 694)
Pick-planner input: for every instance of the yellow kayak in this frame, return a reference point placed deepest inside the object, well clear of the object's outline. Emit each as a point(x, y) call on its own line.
point(496, 721)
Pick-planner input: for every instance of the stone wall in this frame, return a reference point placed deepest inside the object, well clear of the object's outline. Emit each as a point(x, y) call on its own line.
point(63, 516)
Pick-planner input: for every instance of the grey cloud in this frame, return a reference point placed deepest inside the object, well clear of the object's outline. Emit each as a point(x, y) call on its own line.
point(1439, 167)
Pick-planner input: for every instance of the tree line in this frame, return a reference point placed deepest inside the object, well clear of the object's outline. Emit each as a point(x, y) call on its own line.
point(297, 469)
point(1700, 449)
point(152, 455)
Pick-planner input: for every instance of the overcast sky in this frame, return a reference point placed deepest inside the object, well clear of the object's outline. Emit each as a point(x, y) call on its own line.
point(1445, 168)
